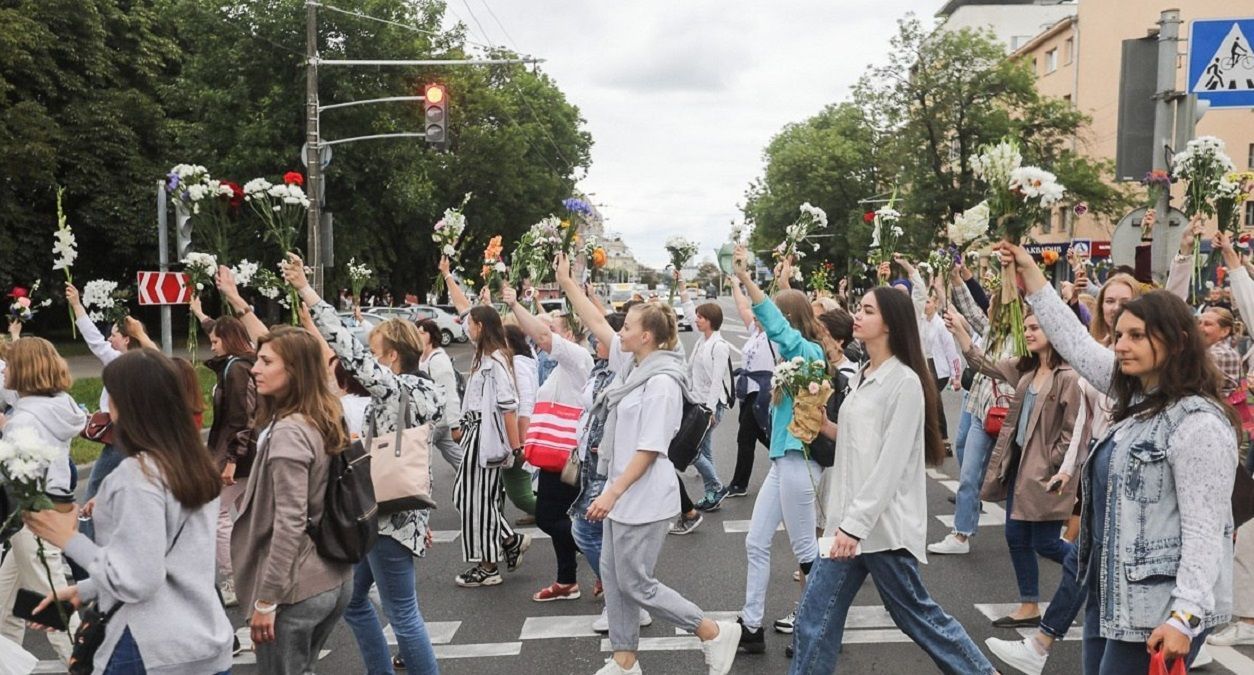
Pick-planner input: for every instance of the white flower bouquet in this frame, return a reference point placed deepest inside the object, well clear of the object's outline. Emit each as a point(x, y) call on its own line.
point(1203, 164)
point(885, 233)
point(809, 386)
point(359, 274)
point(681, 250)
point(23, 307)
point(447, 234)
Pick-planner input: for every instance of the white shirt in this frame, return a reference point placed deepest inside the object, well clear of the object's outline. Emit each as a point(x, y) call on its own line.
point(355, 413)
point(648, 418)
point(566, 382)
point(708, 366)
point(940, 347)
point(876, 490)
point(439, 367)
point(101, 348)
point(527, 373)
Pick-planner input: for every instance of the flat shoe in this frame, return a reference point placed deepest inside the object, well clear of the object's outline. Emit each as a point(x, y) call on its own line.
point(1011, 622)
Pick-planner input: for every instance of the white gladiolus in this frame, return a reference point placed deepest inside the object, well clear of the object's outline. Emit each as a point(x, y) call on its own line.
point(970, 224)
point(995, 164)
point(64, 248)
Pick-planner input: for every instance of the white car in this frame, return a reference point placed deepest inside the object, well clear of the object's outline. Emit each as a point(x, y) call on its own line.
point(450, 324)
point(361, 329)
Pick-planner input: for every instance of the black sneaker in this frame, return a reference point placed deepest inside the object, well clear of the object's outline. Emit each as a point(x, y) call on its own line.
point(514, 551)
point(478, 576)
point(737, 491)
point(684, 525)
point(751, 642)
point(788, 650)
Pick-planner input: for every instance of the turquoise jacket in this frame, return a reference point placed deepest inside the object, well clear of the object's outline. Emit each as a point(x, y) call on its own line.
point(791, 344)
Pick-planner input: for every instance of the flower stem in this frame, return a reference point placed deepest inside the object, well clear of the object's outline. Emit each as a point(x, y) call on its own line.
point(65, 620)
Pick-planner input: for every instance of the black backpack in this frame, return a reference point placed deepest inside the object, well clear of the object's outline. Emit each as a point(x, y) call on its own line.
point(692, 430)
point(350, 516)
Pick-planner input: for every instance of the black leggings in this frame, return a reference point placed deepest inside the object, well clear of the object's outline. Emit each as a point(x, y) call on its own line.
point(748, 436)
point(553, 500)
point(941, 383)
point(685, 503)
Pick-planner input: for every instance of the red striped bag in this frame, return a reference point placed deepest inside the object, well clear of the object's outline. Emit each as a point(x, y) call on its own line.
point(552, 435)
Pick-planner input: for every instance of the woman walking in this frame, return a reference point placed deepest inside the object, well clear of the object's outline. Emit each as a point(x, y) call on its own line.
point(754, 379)
point(788, 494)
point(295, 594)
point(641, 495)
point(156, 516)
point(438, 365)
point(876, 499)
point(45, 411)
point(1034, 439)
point(387, 370)
point(1155, 546)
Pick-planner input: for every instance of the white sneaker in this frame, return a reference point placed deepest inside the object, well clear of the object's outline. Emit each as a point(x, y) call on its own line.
point(602, 624)
point(611, 667)
point(950, 545)
point(1235, 633)
point(1202, 659)
point(1018, 654)
point(721, 651)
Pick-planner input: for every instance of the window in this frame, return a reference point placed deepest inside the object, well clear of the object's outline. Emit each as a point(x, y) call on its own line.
point(1249, 162)
point(1068, 52)
point(1051, 60)
point(1067, 98)
point(1249, 214)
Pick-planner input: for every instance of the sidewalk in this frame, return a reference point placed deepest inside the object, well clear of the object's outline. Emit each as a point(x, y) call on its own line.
point(87, 365)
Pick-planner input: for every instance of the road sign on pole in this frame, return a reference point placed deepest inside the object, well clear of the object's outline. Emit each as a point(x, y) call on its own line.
point(164, 288)
point(1221, 62)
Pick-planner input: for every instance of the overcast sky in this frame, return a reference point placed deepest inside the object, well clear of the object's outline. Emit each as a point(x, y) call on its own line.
point(681, 96)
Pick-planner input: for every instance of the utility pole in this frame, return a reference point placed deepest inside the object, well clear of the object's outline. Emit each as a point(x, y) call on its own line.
point(313, 246)
point(1164, 118)
point(163, 257)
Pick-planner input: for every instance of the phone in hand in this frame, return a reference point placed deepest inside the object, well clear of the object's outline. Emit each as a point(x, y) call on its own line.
point(1054, 485)
point(26, 602)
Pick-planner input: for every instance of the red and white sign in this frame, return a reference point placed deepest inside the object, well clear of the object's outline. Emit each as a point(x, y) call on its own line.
point(164, 288)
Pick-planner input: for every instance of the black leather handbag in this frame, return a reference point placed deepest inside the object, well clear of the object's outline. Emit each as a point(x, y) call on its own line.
point(692, 430)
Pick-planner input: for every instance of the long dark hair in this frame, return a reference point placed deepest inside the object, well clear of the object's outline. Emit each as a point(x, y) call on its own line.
point(491, 337)
point(517, 340)
point(897, 311)
point(1190, 371)
point(234, 336)
point(154, 422)
point(1032, 361)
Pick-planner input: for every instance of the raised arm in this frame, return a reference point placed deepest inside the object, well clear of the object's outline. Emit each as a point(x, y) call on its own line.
point(455, 294)
point(1238, 275)
point(226, 286)
point(1087, 356)
point(587, 311)
point(740, 263)
point(971, 311)
point(742, 302)
point(1180, 274)
point(533, 327)
point(135, 329)
point(96, 342)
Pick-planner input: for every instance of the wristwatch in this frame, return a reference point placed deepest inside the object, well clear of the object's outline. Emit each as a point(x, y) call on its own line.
point(1193, 622)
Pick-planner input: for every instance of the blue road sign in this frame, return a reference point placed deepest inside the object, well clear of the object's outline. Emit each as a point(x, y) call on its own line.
point(1221, 62)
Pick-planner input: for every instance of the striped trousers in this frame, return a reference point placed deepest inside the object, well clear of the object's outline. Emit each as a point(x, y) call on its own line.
point(478, 497)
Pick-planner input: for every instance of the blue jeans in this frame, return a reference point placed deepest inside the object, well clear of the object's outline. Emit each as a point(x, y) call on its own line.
point(964, 426)
point(1026, 539)
point(126, 660)
point(976, 451)
point(587, 536)
point(830, 591)
point(704, 462)
point(109, 459)
point(1117, 657)
point(391, 566)
point(1067, 602)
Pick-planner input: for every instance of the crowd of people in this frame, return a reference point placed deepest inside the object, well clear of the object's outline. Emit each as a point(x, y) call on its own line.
point(1114, 443)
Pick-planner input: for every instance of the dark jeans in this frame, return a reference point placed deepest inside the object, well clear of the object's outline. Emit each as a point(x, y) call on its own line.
point(1028, 538)
point(126, 660)
point(1117, 657)
point(109, 459)
point(1067, 602)
point(748, 436)
point(941, 383)
point(830, 591)
point(553, 500)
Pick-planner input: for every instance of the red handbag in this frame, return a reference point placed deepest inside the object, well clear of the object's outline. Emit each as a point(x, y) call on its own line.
point(1239, 399)
point(99, 428)
point(552, 435)
point(996, 414)
point(1158, 666)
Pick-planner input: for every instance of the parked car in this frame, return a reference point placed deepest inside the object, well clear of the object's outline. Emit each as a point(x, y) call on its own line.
point(450, 324)
point(553, 305)
point(361, 329)
point(685, 322)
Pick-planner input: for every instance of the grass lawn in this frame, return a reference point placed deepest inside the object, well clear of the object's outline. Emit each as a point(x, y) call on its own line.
point(86, 390)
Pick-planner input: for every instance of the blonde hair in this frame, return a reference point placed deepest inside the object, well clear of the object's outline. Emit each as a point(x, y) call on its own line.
point(36, 369)
point(1098, 327)
point(401, 336)
point(659, 319)
point(1224, 317)
point(308, 392)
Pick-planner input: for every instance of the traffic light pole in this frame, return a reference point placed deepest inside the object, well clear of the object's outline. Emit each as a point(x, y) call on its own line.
point(313, 246)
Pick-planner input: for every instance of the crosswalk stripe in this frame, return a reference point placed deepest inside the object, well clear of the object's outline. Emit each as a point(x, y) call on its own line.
point(440, 632)
point(662, 644)
point(549, 627)
point(478, 651)
point(449, 536)
point(1231, 659)
point(742, 526)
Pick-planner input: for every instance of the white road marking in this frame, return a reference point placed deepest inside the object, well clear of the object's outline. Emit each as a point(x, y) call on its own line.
point(742, 526)
point(549, 627)
point(1231, 659)
point(478, 651)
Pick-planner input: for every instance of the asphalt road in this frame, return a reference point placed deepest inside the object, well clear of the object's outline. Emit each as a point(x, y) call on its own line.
point(499, 629)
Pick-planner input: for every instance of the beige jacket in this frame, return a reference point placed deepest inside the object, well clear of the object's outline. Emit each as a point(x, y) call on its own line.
point(273, 556)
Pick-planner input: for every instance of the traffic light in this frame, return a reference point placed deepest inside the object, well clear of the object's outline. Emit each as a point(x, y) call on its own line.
point(435, 114)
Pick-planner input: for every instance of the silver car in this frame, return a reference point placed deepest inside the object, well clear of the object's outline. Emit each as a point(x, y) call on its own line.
point(450, 324)
point(361, 329)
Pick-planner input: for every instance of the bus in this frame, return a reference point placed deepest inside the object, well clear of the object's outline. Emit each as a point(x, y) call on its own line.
point(620, 294)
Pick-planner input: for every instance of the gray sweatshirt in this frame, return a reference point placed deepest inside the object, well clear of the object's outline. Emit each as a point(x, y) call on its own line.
point(167, 586)
point(57, 420)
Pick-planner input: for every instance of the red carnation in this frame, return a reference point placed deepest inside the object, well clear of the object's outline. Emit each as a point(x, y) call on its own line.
point(868, 217)
point(294, 178)
point(18, 292)
point(237, 194)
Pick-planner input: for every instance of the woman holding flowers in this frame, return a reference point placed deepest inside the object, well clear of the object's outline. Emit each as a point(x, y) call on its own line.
point(387, 369)
point(788, 493)
point(155, 520)
point(876, 499)
point(44, 414)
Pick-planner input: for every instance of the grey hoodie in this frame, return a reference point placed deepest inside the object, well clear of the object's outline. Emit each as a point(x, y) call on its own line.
point(57, 419)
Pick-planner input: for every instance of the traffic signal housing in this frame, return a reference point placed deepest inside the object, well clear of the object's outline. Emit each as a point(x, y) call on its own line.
point(435, 115)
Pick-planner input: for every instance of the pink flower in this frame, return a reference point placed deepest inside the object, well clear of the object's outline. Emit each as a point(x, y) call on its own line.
point(814, 388)
point(24, 302)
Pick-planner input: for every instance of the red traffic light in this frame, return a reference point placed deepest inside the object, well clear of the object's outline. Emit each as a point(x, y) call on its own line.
point(434, 93)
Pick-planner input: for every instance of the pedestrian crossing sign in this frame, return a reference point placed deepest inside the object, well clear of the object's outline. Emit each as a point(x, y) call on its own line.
point(1221, 62)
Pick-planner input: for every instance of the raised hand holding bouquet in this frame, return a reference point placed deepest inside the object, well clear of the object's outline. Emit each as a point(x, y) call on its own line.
point(810, 387)
point(23, 308)
point(796, 237)
point(682, 250)
point(885, 233)
point(447, 234)
point(200, 269)
point(359, 274)
point(493, 267)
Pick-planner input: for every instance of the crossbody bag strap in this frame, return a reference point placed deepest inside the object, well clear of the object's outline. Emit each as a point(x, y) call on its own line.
point(402, 417)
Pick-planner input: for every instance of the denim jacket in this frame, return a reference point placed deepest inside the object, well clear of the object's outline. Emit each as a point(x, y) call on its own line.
point(1167, 543)
point(591, 481)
